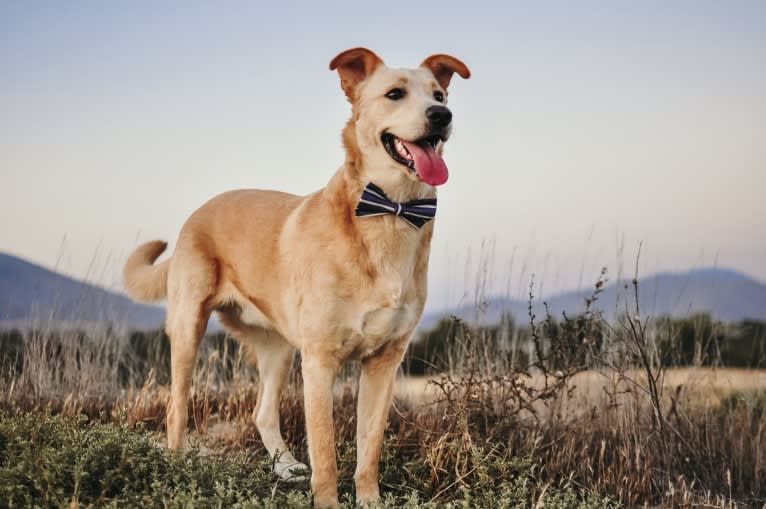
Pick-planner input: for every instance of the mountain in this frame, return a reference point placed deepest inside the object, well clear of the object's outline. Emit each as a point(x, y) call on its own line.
point(32, 294)
point(726, 294)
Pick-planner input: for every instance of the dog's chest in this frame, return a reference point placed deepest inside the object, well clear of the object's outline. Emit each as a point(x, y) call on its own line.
point(376, 326)
point(390, 311)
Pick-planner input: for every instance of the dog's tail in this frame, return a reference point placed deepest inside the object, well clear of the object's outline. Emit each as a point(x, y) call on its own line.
point(145, 281)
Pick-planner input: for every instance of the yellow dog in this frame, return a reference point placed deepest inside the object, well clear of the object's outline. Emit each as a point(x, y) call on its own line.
point(339, 274)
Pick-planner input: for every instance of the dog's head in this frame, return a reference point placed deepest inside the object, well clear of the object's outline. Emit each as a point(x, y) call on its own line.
point(400, 117)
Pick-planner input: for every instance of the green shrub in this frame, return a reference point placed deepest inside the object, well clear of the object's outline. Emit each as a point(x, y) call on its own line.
point(53, 461)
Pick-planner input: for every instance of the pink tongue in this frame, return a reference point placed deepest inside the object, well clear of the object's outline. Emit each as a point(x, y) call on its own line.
point(429, 165)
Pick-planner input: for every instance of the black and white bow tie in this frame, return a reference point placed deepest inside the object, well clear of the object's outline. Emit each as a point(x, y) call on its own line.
point(374, 202)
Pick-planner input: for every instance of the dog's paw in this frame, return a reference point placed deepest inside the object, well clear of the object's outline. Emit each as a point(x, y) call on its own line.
point(292, 472)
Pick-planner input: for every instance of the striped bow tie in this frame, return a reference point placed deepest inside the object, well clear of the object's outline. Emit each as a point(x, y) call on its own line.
point(374, 202)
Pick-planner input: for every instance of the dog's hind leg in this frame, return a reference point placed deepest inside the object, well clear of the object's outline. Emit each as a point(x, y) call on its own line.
point(185, 335)
point(189, 288)
point(274, 359)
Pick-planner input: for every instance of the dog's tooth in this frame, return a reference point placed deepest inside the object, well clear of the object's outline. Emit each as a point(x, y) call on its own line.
point(400, 148)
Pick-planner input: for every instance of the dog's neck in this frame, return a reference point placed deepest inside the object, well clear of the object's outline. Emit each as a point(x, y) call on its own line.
point(385, 244)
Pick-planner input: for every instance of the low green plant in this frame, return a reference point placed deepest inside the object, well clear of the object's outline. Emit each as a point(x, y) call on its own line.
point(56, 461)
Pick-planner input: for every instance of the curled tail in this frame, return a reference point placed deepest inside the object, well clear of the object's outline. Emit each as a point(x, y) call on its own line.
point(143, 280)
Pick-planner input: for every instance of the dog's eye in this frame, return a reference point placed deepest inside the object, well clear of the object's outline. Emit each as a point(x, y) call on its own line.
point(439, 96)
point(395, 94)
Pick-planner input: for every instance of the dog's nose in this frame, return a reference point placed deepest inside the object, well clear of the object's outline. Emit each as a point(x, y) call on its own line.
point(439, 116)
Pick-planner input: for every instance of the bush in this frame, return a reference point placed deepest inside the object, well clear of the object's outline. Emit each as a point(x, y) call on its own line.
point(698, 340)
point(56, 461)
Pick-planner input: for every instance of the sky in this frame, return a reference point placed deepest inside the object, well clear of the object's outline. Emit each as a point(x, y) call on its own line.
point(586, 129)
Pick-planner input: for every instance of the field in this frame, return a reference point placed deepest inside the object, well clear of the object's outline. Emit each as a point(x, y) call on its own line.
point(589, 416)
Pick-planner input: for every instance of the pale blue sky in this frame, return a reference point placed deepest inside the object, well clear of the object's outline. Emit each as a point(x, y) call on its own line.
point(584, 128)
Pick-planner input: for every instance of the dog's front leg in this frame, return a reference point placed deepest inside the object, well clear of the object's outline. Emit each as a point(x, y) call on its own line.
point(376, 388)
point(319, 372)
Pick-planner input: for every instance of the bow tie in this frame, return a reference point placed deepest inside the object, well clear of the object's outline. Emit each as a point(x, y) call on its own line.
point(374, 202)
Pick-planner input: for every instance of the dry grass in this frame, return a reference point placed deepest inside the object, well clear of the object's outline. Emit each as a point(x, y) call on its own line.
point(584, 422)
point(713, 383)
point(703, 387)
point(583, 438)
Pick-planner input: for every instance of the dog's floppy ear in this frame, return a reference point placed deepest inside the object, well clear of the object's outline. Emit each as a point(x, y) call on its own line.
point(353, 66)
point(444, 66)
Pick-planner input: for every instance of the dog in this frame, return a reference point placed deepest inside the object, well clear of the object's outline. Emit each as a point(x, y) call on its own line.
point(339, 274)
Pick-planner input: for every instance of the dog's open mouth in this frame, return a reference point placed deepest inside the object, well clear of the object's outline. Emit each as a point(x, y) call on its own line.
point(418, 156)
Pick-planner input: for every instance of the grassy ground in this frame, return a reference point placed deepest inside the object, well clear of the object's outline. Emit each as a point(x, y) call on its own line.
point(577, 427)
point(702, 386)
point(437, 453)
point(57, 461)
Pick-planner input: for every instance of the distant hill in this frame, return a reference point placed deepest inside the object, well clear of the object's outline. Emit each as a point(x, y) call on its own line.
point(726, 294)
point(32, 294)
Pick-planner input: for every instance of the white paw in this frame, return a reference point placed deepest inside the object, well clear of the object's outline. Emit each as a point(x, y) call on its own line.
point(292, 471)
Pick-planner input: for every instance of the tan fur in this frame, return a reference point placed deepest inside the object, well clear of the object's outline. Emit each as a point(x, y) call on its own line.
point(287, 273)
point(144, 281)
